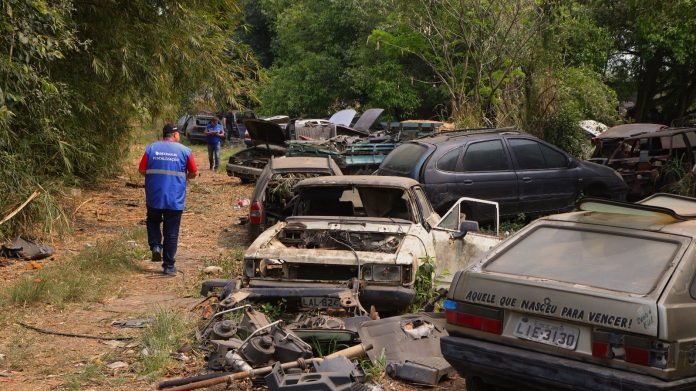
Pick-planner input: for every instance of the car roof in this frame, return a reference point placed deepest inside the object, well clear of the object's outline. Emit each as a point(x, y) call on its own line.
point(459, 134)
point(660, 212)
point(288, 163)
point(372, 180)
point(629, 130)
point(665, 132)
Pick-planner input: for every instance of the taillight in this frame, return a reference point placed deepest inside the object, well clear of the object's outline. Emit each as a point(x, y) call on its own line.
point(256, 213)
point(474, 317)
point(630, 348)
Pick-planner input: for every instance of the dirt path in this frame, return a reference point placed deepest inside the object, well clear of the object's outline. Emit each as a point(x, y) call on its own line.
point(209, 230)
point(31, 361)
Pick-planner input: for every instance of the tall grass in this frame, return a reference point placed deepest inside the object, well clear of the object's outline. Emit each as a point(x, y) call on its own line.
point(88, 276)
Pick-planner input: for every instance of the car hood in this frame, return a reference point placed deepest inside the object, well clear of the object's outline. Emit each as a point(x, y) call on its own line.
point(383, 241)
point(265, 132)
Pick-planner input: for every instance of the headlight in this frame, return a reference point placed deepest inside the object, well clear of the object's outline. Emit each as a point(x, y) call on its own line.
point(386, 273)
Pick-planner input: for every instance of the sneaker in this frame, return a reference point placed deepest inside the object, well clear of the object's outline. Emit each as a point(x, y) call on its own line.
point(170, 271)
point(156, 254)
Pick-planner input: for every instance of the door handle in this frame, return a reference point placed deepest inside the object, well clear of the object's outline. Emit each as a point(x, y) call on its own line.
point(526, 179)
point(467, 181)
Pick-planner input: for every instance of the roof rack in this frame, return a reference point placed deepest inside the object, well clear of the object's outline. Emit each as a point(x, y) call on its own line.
point(661, 204)
point(471, 131)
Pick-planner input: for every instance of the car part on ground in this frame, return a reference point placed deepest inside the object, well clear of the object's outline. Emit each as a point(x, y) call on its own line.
point(520, 172)
point(337, 373)
point(585, 300)
point(25, 249)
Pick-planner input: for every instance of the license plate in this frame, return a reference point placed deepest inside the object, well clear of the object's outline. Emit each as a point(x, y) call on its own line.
point(548, 333)
point(321, 302)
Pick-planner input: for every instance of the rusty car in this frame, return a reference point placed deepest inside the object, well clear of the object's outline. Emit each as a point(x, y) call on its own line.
point(273, 192)
point(599, 299)
point(354, 241)
point(607, 141)
point(654, 161)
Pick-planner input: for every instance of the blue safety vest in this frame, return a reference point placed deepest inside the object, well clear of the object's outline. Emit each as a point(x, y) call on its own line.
point(165, 177)
point(214, 138)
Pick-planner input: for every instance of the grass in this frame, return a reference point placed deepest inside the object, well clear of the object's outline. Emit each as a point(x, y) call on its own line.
point(424, 286)
point(88, 276)
point(374, 369)
point(169, 331)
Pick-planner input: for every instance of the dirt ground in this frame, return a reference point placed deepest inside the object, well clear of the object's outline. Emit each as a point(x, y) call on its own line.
point(209, 228)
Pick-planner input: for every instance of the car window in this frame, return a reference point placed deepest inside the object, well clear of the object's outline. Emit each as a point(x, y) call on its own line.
point(485, 156)
point(527, 153)
point(601, 259)
point(403, 159)
point(448, 162)
point(553, 158)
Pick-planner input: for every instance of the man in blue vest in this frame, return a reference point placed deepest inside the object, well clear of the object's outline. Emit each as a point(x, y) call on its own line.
point(214, 134)
point(166, 165)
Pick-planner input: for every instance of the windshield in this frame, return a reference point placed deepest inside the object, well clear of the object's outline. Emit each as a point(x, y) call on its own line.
point(404, 158)
point(600, 259)
point(349, 201)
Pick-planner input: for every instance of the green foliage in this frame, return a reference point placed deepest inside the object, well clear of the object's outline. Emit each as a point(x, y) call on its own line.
point(76, 75)
point(423, 285)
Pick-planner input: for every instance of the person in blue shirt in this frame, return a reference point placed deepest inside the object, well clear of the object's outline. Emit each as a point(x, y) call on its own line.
point(166, 166)
point(214, 134)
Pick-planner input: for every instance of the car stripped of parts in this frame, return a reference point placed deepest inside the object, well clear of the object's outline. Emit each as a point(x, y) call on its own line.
point(599, 299)
point(354, 242)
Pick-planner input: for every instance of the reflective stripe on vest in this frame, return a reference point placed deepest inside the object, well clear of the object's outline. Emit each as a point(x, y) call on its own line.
point(165, 172)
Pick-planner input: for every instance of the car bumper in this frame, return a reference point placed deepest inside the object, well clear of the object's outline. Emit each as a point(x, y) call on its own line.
point(239, 171)
point(504, 365)
point(384, 298)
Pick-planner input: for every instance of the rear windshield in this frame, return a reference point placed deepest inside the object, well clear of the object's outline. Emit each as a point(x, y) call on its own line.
point(600, 259)
point(404, 158)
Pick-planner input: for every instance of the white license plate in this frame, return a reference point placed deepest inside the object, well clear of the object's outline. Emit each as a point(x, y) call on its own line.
point(548, 333)
point(321, 302)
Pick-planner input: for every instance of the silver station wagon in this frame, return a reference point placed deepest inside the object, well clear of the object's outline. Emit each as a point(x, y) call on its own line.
point(599, 299)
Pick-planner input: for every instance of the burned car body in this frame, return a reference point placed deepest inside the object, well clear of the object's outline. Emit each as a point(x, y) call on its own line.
point(274, 188)
point(606, 142)
point(600, 299)
point(268, 140)
point(355, 241)
point(653, 161)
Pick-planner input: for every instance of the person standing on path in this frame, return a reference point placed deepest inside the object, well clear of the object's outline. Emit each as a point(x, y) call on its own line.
point(214, 133)
point(166, 165)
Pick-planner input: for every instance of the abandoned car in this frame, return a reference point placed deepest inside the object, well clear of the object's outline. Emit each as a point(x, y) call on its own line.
point(193, 126)
point(599, 299)
point(654, 161)
point(268, 140)
point(606, 142)
point(274, 188)
point(519, 171)
point(353, 242)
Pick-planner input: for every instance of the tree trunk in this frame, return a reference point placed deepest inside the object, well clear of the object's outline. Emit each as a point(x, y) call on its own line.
point(647, 87)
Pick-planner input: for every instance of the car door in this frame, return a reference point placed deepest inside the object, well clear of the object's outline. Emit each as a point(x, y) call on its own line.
point(454, 252)
point(546, 180)
point(485, 171)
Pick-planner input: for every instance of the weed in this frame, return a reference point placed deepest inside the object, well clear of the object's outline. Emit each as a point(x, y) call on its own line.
point(273, 309)
point(513, 225)
point(167, 333)
point(92, 373)
point(424, 282)
point(676, 177)
point(230, 263)
point(88, 276)
point(374, 369)
point(19, 352)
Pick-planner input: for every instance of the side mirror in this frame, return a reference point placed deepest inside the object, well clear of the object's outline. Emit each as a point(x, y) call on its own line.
point(572, 163)
point(464, 227)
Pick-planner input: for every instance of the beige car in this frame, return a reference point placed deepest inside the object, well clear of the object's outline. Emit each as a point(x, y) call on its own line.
point(600, 299)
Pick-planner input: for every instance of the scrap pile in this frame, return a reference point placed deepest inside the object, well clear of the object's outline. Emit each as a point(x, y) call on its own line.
point(243, 343)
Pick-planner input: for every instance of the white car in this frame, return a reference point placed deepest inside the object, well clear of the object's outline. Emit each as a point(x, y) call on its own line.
point(357, 237)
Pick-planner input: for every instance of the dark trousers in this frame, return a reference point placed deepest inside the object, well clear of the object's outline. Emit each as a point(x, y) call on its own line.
point(164, 224)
